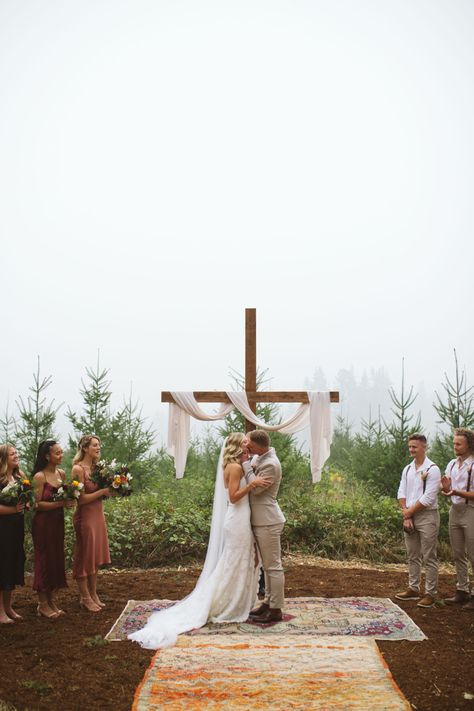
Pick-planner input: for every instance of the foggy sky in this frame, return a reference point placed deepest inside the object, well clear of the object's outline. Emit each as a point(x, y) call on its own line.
point(166, 164)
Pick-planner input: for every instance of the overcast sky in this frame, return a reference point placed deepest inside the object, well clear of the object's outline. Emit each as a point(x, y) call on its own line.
point(164, 164)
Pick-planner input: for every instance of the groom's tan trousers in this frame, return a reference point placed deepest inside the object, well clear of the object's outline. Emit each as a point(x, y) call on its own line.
point(268, 541)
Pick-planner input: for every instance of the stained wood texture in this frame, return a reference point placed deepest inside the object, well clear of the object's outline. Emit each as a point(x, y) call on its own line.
point(271, 396)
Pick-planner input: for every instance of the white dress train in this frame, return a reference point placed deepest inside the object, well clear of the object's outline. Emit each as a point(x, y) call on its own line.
point(227, 588)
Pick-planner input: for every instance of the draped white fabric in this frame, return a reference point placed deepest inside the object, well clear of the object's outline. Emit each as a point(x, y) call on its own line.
point(317, 415)
point(178, 426)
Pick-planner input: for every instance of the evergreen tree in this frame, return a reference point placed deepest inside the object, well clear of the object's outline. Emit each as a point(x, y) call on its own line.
point(36, 419)
point(457, 409)
point(7, 425)
point(95, 417)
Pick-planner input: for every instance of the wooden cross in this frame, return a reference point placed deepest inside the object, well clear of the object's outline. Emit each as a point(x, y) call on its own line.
point(251, 378)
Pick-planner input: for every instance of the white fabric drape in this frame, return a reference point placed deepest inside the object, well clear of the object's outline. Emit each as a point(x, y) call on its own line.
point(178, 426)
point(317, 415)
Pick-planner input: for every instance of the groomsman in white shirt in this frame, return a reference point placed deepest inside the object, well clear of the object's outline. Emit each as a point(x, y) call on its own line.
point(418, 499)
point(458, 484)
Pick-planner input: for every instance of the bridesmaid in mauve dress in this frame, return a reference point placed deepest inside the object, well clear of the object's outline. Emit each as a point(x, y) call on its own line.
point(92, 544)
point(48, 528)
point(12, 555)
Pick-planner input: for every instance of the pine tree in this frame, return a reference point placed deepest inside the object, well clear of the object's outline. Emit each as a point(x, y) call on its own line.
point(457, 409)
point(8, 425)
point(37, 419)
point(95, 417)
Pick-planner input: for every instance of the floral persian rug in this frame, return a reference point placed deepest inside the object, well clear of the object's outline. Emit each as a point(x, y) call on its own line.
point(374, 617)
point(280, 672)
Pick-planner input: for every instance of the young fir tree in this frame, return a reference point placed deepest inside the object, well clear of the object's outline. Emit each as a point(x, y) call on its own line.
point(7, 425)
point(130, 440)
point(95, 417)
point(36, 419)
point(454, 409)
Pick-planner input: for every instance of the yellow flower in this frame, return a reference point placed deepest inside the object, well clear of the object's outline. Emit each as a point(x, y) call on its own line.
point(75, 483)
point(25, 482)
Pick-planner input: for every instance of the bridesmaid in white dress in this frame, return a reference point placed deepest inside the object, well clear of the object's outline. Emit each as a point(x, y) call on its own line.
point(227, 587)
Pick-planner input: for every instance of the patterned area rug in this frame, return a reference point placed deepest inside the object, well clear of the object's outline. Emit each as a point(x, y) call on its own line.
point(282, 672)
point(374, 617)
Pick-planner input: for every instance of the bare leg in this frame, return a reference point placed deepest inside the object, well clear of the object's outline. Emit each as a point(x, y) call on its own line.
point(44, 608)
point(85, 596)
point(92, 582)
point(53, 605)
point(7, 605)
point(4, 619)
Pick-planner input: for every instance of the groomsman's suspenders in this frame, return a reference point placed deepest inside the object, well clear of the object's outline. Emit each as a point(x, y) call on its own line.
point(469, 475)
point(405, 472)
point(426, 477)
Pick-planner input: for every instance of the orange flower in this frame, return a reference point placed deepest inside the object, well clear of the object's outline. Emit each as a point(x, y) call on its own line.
point(26, 482)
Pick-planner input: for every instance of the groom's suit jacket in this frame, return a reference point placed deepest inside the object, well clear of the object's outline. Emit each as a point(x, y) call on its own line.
point(263, 504)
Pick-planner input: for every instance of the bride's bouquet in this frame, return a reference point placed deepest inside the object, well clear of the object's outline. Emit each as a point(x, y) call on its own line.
point(20, 491)
point(113, 476)
point(68, 490)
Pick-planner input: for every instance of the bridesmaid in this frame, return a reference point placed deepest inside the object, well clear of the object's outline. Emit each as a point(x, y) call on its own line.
point(12, 555)
point(48, 528)
point(92, 544)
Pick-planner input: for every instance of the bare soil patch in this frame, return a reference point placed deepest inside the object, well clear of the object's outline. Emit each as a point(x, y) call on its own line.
point(67, 665)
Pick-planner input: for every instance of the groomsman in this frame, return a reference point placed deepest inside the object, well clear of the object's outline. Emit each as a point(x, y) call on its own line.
point(418, 499)
point(458, 484)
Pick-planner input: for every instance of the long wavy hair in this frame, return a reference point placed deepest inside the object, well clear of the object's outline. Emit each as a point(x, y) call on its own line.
point(4, 463)
point(83, 444)
point(41, 461)
point(233, 448)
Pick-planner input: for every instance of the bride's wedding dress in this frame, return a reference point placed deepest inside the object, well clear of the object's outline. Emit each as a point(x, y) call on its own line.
point(227, 588)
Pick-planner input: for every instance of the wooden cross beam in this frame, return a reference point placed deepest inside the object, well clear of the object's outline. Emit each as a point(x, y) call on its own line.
point(251, 378)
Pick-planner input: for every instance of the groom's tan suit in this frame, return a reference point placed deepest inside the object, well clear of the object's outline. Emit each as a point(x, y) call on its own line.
point(267, 524)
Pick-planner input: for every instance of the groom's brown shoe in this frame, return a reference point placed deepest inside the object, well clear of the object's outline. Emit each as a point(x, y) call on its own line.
point(259, 611)
point(274, 614)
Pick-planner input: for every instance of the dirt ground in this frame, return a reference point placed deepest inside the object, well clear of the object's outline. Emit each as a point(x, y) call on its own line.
point(67, 665)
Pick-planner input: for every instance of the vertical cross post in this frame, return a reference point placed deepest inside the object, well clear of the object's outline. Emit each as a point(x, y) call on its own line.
point(250, 360)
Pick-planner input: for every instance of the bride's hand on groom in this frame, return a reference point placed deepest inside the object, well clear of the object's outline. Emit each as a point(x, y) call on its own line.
point(260, 481)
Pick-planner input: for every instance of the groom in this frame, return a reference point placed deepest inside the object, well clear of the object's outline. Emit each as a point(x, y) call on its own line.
point(267, 523)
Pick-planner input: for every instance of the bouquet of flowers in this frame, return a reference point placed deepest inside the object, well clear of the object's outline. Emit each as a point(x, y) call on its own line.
point(69, 490)
point(113, 476)
point(20, 491)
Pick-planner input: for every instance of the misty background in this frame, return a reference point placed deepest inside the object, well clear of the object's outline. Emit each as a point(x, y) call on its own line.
point(166, 164)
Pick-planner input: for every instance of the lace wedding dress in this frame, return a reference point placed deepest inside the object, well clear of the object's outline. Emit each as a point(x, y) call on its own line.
point(227, 588)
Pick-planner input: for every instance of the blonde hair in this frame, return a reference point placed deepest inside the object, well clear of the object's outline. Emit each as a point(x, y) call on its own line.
point(4, 463)
point(233, 448)
point(83, 444)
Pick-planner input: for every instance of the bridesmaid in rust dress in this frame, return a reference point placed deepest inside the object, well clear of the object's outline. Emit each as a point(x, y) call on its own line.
point(48, 528)
point(92, 544)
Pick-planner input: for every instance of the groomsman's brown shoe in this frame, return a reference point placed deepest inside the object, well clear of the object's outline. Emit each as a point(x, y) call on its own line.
point(469, 606)
point(459, 598)
point(408, 595)
point(259, 611)
point(274, 614)
point(427, 601)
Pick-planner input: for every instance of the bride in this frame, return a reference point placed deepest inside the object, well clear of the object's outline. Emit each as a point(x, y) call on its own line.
point(227, 587)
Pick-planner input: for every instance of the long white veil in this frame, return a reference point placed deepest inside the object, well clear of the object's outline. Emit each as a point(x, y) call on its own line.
point(164, 626)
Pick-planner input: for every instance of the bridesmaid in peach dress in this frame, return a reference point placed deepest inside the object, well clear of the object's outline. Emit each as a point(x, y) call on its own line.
point(92, 544)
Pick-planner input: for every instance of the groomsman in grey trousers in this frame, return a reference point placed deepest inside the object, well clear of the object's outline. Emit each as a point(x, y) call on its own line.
point(267, 524)
point(458, 484)
point(418, 499)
